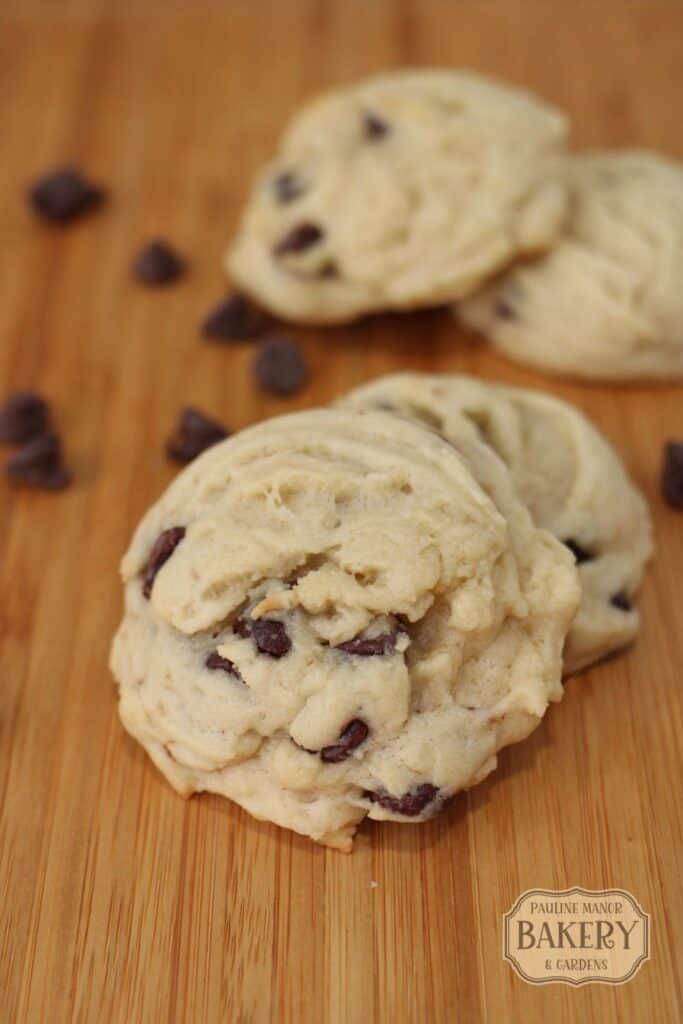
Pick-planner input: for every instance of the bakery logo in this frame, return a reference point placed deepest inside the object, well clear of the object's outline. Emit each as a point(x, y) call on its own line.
point(576, 936)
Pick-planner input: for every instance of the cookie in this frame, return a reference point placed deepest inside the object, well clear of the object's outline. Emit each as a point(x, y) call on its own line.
point(606, 301)
point(330, 616)
point(405, 190)
point(570, 478)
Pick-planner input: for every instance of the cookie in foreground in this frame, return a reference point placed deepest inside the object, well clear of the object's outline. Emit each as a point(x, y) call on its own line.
point(332, 616)
point(569, 477)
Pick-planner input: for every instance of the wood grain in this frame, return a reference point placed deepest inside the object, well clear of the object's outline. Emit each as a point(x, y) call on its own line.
point(120, 902)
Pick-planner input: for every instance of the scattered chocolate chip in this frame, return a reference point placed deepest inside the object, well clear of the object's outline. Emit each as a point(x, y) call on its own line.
point(194, 433)
point(366, 647)
point(579, 553)
point(157, 263)
point(280, 367)
point(410, 804)
point(355, 733)
point(504, 310)
point(162, 549)
point(298, 239)
point(269, 635)
point(672, 474)
point(38, 464)
point(23, 415)
point(215, 661)
point(64, 194)
point(375, 126)
point(234, 319)
point(288, 186)
point(621, 601)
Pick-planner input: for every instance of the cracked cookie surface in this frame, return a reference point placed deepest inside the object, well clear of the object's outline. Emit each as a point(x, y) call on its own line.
point(404, 190)
point(606, 301)
point(569, 477)
point(330, 616)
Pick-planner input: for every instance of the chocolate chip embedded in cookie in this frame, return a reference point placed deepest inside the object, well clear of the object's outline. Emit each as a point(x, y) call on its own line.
point(288, 186)
point(162, 549)
point(410, 804)
point(579, 553)
point(298, 239)
point(351, 737)
point(375, 126)
point(622, 601)
point(215, 662)
point(369, 646)
point(269, 635)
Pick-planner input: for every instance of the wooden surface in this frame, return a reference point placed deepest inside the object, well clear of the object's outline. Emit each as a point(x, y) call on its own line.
point(119, 901)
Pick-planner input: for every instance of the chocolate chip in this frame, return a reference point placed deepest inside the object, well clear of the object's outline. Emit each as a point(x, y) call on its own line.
point(234, 319)
point(375, 126)
point(355, 733)
point(280, 367)
point(288, 186)
point(672, 474)
point(410, 804)
point(39, 464)
point(269, 635)
point(298, 239)
point(242, 627)
point(23, 415)
point(328, 271)
point(215, 661)
point(162, 549)
point(157, 264)
point(504, 310)
point(194, 434)
point(366, 647)
point(579, 553)
point(621, 601)
point(64, 195)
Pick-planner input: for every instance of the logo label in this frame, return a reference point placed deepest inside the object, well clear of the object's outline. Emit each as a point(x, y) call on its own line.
point(576, 936)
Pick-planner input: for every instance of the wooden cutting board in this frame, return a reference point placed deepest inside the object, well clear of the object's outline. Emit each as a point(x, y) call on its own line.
point(118, 900)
